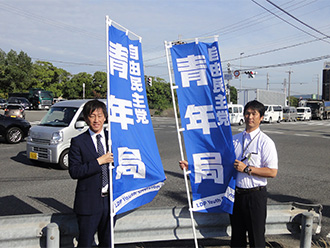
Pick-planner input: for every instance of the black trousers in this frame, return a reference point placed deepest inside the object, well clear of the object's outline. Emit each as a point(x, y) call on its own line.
point(90, 224)
point(249, 215)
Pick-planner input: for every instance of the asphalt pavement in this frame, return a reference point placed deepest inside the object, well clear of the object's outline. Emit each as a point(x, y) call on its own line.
point(303, 149)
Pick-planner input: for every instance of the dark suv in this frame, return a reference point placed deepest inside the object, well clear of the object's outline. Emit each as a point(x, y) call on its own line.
point(20, 100)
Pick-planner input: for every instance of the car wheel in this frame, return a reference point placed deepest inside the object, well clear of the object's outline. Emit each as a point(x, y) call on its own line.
point(270, 120)
point(279, 120)
point(64, 160)
point(241, 122)
point(14, 135)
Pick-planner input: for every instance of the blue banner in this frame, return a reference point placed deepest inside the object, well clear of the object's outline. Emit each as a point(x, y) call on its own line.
point(205, 120)
point(138, 172)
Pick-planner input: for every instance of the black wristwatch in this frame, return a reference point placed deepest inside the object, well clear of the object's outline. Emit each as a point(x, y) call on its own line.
point(247, 170)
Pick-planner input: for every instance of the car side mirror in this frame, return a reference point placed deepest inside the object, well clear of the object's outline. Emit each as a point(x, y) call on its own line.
point(80, 124)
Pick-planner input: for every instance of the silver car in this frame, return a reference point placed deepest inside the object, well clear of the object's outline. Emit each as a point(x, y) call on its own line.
point(15, 111)
point(50, 140)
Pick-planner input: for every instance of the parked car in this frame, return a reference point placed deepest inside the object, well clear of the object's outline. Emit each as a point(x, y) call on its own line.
point(236, 114)
point(49, 141)
point(20, 100)
point(290, 114)
point(304, 113)
point(15, 111)
point(13, 130)
point(3, 103)
point(273, 113)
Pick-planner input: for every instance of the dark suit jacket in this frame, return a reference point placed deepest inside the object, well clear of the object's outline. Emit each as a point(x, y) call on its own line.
point(84, 167)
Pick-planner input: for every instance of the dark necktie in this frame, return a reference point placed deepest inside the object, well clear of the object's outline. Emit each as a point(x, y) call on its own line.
point(104, 167)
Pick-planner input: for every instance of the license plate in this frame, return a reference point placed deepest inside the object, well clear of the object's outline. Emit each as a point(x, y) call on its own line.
point(13, 116)
point(33, 155)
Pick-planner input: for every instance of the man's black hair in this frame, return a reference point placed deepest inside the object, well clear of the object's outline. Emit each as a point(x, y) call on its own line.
point(92, 105)
point(255, 105)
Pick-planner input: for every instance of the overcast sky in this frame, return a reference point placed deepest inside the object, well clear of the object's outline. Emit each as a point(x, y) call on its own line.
point(252, 34)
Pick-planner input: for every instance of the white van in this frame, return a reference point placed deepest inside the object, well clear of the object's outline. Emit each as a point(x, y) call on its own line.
point(236, 114)
point(50, 140)
point(273, 113)
point(304, 113)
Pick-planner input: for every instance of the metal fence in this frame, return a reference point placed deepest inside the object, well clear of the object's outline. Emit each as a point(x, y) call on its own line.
point(150, 224)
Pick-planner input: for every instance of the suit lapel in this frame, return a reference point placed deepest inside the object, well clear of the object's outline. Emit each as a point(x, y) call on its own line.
point(90, 144)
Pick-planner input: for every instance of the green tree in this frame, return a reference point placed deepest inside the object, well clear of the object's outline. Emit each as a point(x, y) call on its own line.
point(61, 77)
point(3, 90)
point(293, 101)
point(159, 94)
point(73, 89)
point(233, 95)
point(47, 76)
point(15, 74)
point(99, 85)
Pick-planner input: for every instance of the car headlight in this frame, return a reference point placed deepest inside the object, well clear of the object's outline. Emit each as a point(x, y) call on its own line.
point(57, 137)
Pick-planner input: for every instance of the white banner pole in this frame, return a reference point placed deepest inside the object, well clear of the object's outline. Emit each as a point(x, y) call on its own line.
point(112, 214)
point(168, 45)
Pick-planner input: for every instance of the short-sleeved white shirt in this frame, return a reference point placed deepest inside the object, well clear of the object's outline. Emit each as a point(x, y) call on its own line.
point(260, 151)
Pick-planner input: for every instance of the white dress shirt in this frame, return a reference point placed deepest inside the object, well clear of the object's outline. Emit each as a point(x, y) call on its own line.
point(257, 150)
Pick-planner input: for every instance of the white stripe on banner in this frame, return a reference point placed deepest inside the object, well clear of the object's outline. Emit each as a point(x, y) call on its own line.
point(213, 201)
point(126, 198)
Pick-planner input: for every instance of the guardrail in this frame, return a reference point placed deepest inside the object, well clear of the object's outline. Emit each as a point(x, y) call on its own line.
point(150, 224)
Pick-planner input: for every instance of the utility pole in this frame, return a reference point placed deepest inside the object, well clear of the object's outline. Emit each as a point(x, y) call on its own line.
point(289, 86)
point(267, 88)
point(228, 85)
point(240, 70)
point(284, 89)
point(83, 90)
point(318, 86)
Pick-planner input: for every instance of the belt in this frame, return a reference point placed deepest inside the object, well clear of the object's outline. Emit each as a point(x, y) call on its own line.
point(104, 194)
point(246, 191)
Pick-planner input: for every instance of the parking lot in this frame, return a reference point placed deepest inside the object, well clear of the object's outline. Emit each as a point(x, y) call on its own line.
point(303, 149)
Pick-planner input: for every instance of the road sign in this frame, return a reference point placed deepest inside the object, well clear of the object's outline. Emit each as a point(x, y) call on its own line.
point(228, 76)
point(236, 74)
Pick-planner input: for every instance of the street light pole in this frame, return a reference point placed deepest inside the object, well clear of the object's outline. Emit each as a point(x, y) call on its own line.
point(240, 70)
point(289, 87)
point(228, 85)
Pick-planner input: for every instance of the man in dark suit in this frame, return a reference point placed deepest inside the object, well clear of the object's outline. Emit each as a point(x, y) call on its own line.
point(89, 163)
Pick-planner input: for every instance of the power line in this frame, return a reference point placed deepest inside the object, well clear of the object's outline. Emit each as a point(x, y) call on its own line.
point(69, 63)
point(287, 21)
point(273, 50)
point(298, 19)
point(292, 63)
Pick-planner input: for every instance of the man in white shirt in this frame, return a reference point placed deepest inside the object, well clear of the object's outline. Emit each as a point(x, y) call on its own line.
point(256, 161)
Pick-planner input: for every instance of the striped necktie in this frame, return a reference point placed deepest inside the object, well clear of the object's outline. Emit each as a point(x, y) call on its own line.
point(104, 167)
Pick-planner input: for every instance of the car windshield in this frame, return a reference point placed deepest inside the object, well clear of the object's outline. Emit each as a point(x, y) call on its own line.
point(300, 110)
point(14, 106)
point(286, 110)
point(45, 94)
point(59, 116)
